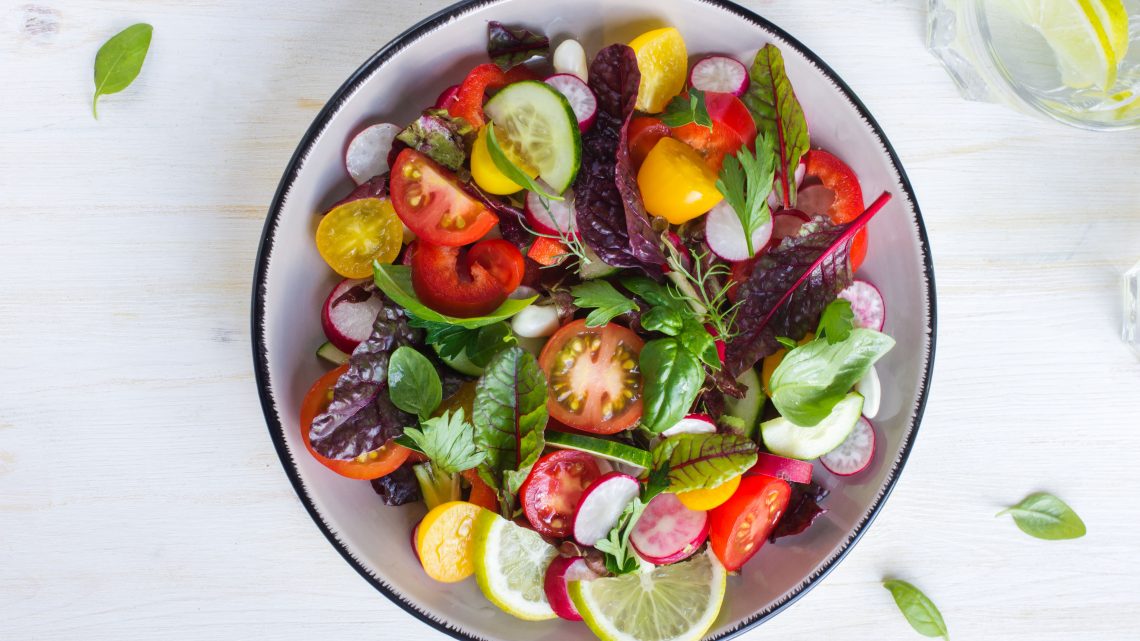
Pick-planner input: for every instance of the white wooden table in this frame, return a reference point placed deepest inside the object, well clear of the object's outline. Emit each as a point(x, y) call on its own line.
point(140, 497)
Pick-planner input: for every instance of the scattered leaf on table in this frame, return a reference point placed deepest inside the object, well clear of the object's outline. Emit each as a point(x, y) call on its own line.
point(120, 60)
point(1045, 516)
point(919, 610)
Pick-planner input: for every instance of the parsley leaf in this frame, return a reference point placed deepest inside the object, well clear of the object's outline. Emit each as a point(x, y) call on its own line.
point(683, 110)
point(606, 301)
point(745, 181)
point(619, 556)
point(837, 321)
point(448, 440)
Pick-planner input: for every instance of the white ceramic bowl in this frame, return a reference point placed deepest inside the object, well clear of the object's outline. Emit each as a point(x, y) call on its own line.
point(291, 282)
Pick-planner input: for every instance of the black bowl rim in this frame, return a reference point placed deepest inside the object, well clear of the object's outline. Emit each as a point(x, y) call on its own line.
point(260, 356)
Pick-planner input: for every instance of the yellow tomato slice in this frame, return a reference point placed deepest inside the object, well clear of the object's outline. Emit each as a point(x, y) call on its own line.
point(704, 500)
point(664, 65)
point(445, 541)
point(356, 233)
point(676, 183)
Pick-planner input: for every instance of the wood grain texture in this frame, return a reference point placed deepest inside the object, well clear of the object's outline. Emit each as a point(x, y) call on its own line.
point(141, 499)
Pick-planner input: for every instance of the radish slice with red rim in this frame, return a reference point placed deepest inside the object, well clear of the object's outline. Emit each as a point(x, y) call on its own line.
point(854, 454)
point(350, 312)
point(787, 223)
point(867, 304)
point(788, 469)
point(667, 531)
point(553, 217)
point(725, 234)
point(692, 424)
point(581, 98)
point(367, 154)
point(601, 506)
point(721, 74)
point(561, 571)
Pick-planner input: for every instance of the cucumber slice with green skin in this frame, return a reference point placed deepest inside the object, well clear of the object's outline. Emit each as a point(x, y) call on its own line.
point(330, 353)
point(747, 409)
point(540, 128)
point(609, 450)
point(460, 363)
point(595, 268)
point(785, 438)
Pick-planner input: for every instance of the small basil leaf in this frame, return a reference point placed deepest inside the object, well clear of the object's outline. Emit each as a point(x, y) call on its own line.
point(413, 383)
point(1047, 517)
point(701, 344)
point(837, 321)
point(510, 169)
point(920, 611)
point(489, 340)
point(672, 379)
point(651, 292)
point(666, 320)
point(119, 61)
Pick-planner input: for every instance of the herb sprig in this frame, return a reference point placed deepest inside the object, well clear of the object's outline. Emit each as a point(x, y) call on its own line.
point(606, 301)
point(746, 181)
point(615, 548)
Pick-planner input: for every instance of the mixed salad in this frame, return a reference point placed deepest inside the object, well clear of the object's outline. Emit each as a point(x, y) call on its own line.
point(570, 291)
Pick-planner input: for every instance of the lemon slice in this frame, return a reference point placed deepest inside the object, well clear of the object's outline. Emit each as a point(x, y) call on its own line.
point(676, 602)
point(1079, 36)
point(510, 565)
point(664, 65)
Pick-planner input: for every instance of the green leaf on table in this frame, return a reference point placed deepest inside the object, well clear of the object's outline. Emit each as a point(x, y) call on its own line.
point(396, 283)
point(778, 115)
point(606, 301)
point(1047, 517)
point(119, 61)
point(837, 321)
point(672, 378)
point(448, 440)
point(919, 610)
point(413, 383)
point(510, 421)
point(813, 378)
point(691, 109)
point(745, 181)
point(703, 461)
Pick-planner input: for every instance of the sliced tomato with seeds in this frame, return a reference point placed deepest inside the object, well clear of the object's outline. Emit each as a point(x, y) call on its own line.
point(502, 259)
point(739, 527)
point(593, 377)
point(551, 491)
point(447, 281)
point(430, 201)
point(469, 98)
point(733, 128)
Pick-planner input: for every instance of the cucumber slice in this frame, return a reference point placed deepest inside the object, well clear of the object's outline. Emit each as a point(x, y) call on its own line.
point(540, 129)
point(785, 438)
point(596, 268)
point(330, 353)
point(747, 409)
point(609, 450)
point(460, 363)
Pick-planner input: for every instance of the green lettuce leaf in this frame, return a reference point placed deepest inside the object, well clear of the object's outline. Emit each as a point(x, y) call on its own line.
point(396, 282)
point(703, 461)
point(778, 115)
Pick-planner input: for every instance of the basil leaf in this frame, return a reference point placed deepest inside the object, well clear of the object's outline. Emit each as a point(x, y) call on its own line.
point(920, 611)
point(778, 115)
point(413, 383)
point(666, 320)
point(606, 301)
point(672, 377)
point(683, 110)
point(448, 441)
point(489, 340)
point(508, 47)
point(510, 419)
point(812, 378)
point(703, 461)
point(119, 61)
point(396, 282)
point(837, 321)
point(510, 169)
point(1047, 517)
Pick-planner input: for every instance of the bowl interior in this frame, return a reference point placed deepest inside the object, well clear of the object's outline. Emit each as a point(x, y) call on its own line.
point(292, 282)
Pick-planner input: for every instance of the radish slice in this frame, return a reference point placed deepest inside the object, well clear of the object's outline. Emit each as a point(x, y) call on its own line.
point(692, 424)
point(788, 469)
point(447, 97)
point(561, 571)
point(872, 392)
point(350, 312)
point(601, 505)
point(721, 74)
point(581, 98)
point(668, 531)
point(787, 223)
point(367, 153)
point(553, 217)
point(725, 234)
point(854, 454)
point(867, 304)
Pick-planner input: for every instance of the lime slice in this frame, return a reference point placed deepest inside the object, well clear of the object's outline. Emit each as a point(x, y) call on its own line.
point(510, 565)
point(1078, 36)
point(676, 602)
point(609, 450)
point(1114, 17)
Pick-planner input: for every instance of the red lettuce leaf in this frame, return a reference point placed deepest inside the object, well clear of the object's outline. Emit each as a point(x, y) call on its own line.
point(790, 286)
point(778, 115)
point(511, 46)
point(803, 510)
point(398, 488)
point(440, 136)
point(611, 219)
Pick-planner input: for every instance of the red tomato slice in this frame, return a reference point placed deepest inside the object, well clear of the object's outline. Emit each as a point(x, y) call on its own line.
point(468, 102)
point(733, 128)
point(643, 134)
point(739, 527)
point(430, 201)
point(593, 378)
point(389, 457)
point(551, 491)
point(448, 282)
point(834, 174)
point(502, 259)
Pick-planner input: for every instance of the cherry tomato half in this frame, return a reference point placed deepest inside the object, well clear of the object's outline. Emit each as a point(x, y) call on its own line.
point(431, 202)
point(643, 134)
point(733, 128)
point(739, 527)
point(447, 280)
point(593, 377)
point(368, 466)
point(835, 175)
point(354, 234)
point(551, 491)
point(468, 102)
point(502, 259)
